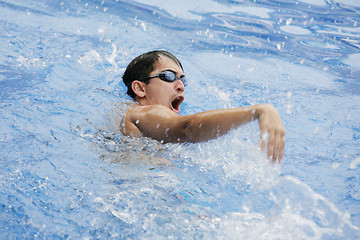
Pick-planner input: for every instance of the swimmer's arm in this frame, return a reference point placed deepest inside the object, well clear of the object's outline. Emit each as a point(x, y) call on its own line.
point(211, 124)
point(161, 123)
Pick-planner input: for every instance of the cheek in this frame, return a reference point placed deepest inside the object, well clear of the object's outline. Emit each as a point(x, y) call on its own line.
point(163, 95)
point(160, 92)
point(157, 94)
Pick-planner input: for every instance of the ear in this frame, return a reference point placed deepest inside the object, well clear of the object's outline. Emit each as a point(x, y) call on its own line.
point(139, 88)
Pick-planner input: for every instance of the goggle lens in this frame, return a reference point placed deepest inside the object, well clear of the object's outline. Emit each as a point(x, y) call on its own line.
point(169, 76)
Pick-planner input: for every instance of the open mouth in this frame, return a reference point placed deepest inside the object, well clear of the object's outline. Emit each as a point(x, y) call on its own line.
point(175, 104)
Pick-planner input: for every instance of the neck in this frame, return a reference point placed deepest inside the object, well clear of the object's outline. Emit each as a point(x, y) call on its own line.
point(142, 101)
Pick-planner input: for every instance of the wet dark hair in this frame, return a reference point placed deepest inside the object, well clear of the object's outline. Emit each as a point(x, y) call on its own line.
point(141, 67)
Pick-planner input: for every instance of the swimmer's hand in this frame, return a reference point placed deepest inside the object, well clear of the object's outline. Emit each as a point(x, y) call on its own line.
point(272, 132)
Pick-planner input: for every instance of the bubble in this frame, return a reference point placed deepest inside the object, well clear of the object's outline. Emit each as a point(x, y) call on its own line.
point(143, 26)
point(289, 21)
point(289, 108)
point(355, 163)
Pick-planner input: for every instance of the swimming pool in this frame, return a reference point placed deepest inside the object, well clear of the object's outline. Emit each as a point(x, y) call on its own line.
point(66, 173)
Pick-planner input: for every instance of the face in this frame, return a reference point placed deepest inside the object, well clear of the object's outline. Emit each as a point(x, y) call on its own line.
point(168, 94)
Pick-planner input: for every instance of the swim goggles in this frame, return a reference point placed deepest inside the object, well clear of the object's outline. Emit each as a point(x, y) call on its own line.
point(167, 76)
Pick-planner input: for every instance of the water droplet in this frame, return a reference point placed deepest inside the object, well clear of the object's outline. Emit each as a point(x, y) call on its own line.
point(289, 21)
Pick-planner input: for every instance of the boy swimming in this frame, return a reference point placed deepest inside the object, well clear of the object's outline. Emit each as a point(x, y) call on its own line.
point(156, 82)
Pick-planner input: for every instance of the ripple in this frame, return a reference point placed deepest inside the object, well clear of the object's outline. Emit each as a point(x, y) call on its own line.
point(314, 2)
point(188, 9)
point(318, 44)
point(353, 60)
point(354, 3)
point(295, 30)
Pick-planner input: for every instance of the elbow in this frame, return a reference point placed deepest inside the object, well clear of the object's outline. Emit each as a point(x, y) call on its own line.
point(195, 132)
point(189, 133)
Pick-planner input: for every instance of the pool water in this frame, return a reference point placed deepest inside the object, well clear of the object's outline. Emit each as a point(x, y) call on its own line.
point(66, 172)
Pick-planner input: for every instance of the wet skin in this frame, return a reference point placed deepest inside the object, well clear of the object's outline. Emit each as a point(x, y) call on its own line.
point(156, 115)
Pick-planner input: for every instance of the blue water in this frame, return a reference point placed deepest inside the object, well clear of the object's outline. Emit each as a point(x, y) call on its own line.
point(66, 173)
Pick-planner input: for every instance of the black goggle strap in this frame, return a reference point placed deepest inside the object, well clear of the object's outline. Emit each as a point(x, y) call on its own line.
point(142, 80)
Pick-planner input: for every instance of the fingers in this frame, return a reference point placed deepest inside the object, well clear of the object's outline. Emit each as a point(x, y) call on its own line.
point(272, 133)
point(281, 155)
point(275, 140)
point(264, 139)
point(271, 147)
point(276, 150)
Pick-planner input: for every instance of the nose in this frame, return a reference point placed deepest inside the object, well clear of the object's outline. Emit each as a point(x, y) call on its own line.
point(179, 86)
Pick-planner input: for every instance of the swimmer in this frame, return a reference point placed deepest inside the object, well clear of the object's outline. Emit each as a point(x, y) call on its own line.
point(156, 82)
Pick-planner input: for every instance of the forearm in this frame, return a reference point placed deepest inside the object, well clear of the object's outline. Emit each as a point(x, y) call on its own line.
point(212, 124)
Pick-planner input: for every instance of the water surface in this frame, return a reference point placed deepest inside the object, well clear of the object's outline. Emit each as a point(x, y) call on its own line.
point(67, 173)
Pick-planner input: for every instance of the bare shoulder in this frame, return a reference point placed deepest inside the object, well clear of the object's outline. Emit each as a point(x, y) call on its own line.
point(128, 125)
point(138, 112)
point(137, 115)
point(155, 121)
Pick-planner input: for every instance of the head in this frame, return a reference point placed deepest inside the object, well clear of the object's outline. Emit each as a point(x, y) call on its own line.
point(154, 90)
